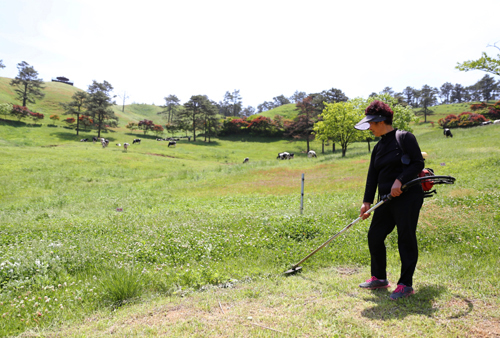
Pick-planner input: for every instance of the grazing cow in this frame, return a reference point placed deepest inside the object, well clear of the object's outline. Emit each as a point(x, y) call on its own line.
point(104, 142)
point(172, 143)
point(118, 144)
point(83, 140)
point(311, 153)
point(283, 156)
point(94, 139)
point(447, 132)
point(486, 123)
point(496, 122)
point(125, 145)
point(246, 160)
point(160, 139)
point(136, 140)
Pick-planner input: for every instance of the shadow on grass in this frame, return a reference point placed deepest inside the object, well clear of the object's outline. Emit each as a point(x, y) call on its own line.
point(66, 136)
point(420, 303)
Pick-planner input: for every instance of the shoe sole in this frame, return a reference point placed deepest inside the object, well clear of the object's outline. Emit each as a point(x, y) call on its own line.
point(413, 292)
point(376, 287)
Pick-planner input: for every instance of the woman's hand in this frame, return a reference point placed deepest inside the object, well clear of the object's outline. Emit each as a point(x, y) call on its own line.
point(364, 208)
point(396, 188)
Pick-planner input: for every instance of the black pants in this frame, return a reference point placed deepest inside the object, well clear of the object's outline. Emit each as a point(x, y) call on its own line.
point(402, 212)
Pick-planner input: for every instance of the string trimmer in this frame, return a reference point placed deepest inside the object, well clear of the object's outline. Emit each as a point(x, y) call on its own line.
point(427, 183)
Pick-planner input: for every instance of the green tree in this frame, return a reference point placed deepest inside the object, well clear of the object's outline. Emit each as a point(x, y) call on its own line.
point(280, 100)
point(98, 105)
point(171, 106)
point(209, 113)
point(5, 109)
point(427, 100)
point(194, 111)
point(487, 87)
point(28, 86)
point(298, 96)
point(485, 63)
point(445, 92)
point(338, 121)
point(302, 125)
point(1, 64)
point(132, 126)
point(75, 106)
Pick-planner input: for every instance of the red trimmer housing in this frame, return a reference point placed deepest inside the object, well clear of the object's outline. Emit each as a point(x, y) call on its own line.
point(427, 184)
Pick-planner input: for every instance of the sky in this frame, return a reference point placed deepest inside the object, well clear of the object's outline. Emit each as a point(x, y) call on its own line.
point(150, 49)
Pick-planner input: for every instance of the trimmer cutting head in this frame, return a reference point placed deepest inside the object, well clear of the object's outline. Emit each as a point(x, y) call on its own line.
point(293, 271)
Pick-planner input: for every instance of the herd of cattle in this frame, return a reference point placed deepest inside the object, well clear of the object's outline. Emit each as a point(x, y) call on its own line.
point(281, 156)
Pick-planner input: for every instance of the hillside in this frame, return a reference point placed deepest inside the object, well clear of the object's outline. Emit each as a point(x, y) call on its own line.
point(56, 92)
point(287, 111)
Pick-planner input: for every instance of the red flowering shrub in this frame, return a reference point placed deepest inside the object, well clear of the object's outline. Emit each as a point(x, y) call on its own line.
point(86, 121)
point(20, 112)
point(463, 120)
point(490, 110)
point(70, 120)
point(234, 126)
point(36, 116)
point(54, 117)
point(146, 125)
point(157, 129)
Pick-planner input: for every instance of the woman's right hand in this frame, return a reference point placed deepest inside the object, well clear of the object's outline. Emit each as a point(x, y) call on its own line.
point(364, 208)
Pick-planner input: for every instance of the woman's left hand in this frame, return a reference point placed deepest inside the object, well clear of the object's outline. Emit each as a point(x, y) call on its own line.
point(396, 188)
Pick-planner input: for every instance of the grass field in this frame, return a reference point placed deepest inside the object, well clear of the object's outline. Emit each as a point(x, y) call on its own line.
point(189, 241)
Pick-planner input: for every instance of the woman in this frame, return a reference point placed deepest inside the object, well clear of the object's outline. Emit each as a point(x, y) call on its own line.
point(387, 173)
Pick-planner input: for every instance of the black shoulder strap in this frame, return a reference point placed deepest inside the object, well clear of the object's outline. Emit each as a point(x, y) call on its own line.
point(405, 159)
point(399, 139)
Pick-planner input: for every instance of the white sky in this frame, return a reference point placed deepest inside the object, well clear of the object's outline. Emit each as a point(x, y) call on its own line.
point(152, 48)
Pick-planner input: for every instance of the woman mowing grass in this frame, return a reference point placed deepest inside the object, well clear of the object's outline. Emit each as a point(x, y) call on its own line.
point(388, 171)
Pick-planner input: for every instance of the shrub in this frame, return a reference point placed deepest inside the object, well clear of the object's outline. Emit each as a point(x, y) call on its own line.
point(20, 112)
point(36, 116)
point(463, 120)
point(54, 117)
point(70, 120)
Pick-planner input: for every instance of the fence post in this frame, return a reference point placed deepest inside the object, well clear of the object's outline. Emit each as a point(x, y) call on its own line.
point(302, 196)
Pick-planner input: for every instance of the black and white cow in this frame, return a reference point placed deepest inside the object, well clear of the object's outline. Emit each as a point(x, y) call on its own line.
point(447, 133)
point(172, 143)
point(95, 139)
point(283, 156)
point(125, 145)
point(246, 160)
point(136, 140)
point(311, 153)
point(83, 140)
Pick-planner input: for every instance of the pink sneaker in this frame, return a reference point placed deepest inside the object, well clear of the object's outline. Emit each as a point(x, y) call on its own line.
point(375, 283)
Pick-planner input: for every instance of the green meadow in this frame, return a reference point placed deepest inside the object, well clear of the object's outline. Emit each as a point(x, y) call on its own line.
point(188, 241)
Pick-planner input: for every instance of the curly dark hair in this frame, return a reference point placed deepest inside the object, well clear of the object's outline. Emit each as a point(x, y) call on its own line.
point(380, 108)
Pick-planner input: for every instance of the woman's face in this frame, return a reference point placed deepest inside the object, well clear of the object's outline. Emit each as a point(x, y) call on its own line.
point(377, 128)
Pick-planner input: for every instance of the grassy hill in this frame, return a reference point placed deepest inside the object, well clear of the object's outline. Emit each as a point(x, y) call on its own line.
point(287, 111)
point(188, 241)
point(56, 92)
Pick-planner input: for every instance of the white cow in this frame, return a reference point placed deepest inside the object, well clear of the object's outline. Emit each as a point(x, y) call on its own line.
point(311, 153)
point(125, 145)
point(496, 122)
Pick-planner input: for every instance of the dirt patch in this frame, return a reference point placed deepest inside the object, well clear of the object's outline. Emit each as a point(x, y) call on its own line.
point(160, 155)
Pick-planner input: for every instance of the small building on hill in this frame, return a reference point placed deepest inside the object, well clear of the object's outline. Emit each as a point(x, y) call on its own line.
point(62, 79)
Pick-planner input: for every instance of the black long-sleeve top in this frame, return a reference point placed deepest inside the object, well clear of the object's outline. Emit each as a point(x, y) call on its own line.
point(386, 166)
